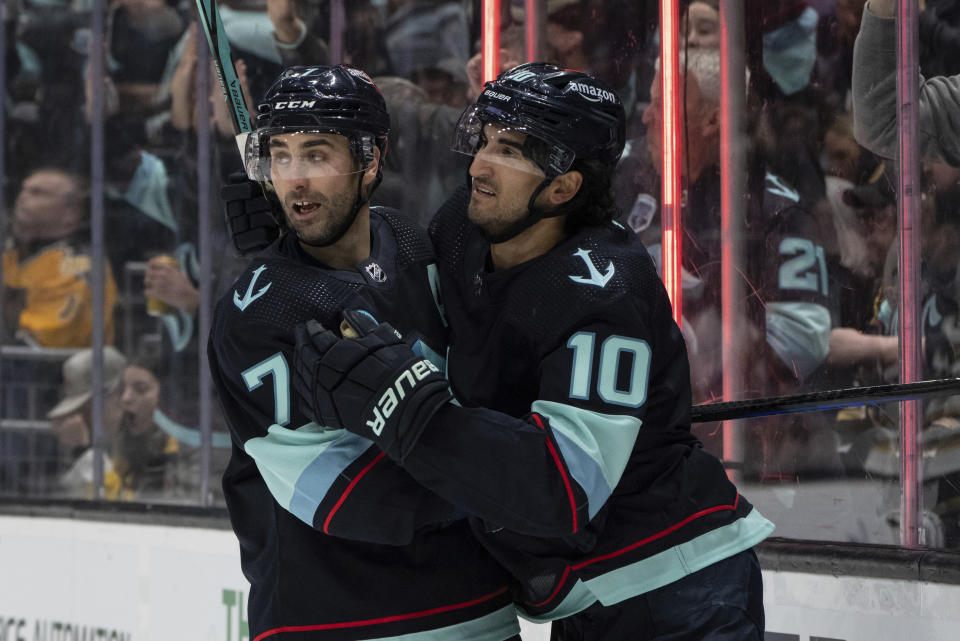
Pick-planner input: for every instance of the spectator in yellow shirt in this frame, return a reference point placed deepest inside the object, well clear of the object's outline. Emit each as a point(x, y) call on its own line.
point(47, 265)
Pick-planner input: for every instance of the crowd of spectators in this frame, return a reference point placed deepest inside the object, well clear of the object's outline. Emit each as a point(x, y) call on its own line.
point(150, 270)
point(424, 55)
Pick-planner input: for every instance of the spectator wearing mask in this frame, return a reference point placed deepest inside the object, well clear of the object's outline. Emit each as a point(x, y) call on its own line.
point(787, 332)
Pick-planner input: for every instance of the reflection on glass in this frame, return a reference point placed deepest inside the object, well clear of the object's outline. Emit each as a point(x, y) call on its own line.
point(819, 214)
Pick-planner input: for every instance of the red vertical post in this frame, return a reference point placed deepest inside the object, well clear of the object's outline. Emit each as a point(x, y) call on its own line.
point(733, 162)
point(490, 38)
point(670, 92)
point(533, 16)
point(908, 194)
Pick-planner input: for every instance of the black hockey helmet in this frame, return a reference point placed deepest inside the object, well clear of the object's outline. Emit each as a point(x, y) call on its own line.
point(569, 111)
point(337, 99)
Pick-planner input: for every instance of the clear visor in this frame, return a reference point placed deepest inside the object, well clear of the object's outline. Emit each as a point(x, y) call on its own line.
point(273, 154)
point(508, 145)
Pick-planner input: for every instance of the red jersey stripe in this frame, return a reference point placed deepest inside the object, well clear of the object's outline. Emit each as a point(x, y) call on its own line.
point(343, 497)
point(390, 619)
point(633, 546)
point(563, 474)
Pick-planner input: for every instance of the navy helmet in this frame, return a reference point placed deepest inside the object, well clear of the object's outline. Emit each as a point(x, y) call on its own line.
point(335, 99)
point(569, 111)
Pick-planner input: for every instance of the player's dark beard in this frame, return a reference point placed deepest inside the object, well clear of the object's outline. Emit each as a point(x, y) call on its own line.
point(338, 213)
point(499, 230)
point(497, 227)
point(502, 232)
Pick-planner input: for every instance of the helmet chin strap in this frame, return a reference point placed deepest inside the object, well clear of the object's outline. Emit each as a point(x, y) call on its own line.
point(534, 215)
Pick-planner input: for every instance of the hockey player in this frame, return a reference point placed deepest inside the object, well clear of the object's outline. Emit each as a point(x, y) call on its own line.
point(337, 541)
point(569, 442)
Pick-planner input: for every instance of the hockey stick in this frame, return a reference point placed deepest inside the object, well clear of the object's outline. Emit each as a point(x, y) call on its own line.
point(828, 400)
point(226, 74)
point(246, 202)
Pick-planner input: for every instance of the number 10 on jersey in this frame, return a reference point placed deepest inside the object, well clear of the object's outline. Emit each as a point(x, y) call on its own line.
point(613, 349)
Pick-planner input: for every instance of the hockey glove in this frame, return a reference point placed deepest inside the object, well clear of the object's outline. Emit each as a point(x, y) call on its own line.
point(249, 214)
point(374, 386)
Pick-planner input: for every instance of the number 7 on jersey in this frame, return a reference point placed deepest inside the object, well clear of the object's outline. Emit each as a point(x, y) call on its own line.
point(276, 366)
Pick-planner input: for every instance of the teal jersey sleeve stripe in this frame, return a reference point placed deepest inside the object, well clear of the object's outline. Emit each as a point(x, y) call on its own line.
point(422, 349)
point(434, 280)
point(496, 626)
point(595, 446)
point(580, 598)
point(318, 477)
point(677, 562)
point(299, 466)
point(661, 569)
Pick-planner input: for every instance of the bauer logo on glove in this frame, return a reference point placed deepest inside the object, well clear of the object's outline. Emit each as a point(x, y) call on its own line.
point(390, 399)
point(367, 381)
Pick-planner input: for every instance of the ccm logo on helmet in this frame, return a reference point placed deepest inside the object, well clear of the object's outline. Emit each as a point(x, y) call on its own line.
point(388, 402)
point(294, 104)
point(593, 94)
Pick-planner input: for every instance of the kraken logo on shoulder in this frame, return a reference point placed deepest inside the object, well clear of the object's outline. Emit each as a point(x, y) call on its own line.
point(249, 296)
point(595, 278)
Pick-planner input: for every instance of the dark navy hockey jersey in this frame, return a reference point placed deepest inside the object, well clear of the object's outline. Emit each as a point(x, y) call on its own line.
point(337, 541)
point(572, 446)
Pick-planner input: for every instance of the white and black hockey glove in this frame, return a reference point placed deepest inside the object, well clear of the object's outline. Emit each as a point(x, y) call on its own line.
point(250, 214)
point(373, 385)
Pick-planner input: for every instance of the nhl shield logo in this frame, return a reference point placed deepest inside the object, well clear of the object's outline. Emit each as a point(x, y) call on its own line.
point(376, 273)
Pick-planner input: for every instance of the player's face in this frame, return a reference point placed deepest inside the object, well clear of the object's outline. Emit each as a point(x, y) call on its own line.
point(503, 180)
point(315, 177)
